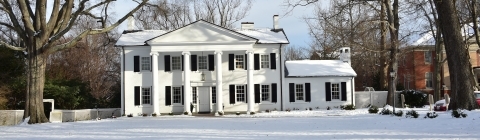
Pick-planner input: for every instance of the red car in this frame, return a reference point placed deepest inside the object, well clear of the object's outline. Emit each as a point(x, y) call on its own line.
point(441, 106)
point(477, 94)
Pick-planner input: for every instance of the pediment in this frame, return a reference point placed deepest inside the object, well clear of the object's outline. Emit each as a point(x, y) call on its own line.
point(201, 31)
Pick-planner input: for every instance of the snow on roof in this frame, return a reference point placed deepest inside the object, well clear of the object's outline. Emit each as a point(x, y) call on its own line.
point(138, 38)
point(314, 68)
point(265, 35)
point(425, 39)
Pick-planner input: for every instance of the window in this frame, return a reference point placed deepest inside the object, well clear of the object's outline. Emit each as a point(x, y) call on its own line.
point(239, 61)
point(145, 61)
point(335, 91)
point(428, 80)
point(299, 91)
point(176, 63)
point(177, 95)
point(202, 62)
point(264, 61)
point(146, 96)
point(214, 94)
point(265, 92)
point(194, 95)
point(240, 93)
point(428, 56)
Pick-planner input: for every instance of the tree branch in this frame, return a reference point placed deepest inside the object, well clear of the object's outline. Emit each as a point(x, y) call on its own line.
point(11, 47)
point(7, 25)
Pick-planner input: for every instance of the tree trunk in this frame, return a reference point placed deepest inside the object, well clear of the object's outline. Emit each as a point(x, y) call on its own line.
point(35, 84)
point(462, 96)
point(383, 58)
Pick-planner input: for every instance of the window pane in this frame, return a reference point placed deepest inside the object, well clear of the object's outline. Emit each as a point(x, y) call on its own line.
point(240, 93)
point(194, 95)
point(265, 61)
point(265, 92)
point(239, 61)
point(176, 63)
point(336, 91)
point(145, 63)
point(177, 95)
point(145, 95)
point(299, 91)
point(202, 62)
point(428, 56)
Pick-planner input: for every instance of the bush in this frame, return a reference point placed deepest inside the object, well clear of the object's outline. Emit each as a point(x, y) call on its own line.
point(373, 109)
point(130, 115)
point(171, 113)
point(185, 113)
point(398, 113)
point(348, 107)
point(386, 111)
point(411, 114)
point(154, 114)
point(238, 113)
point(431, 115)
point(457, 113)
point(414, 98)
point(252, 113)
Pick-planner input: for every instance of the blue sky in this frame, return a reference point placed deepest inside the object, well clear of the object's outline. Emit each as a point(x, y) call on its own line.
point(261, 14)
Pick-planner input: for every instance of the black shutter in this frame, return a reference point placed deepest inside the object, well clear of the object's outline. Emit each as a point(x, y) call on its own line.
point(257, 93)
point(193, 62)
point(291, 88)
point(214, 101)
point(307, 92)
point(246, 93)
point(274, 92)
point(136, 63)
point(151, 63)
point(151, 95)
point(344, 91)
point(167, 62)
point(273, 61)
point(232, 94)
point(245, 64)
point(211, 62)
point(328, 95)
point(137, 95)
point(231, 62)
point(168, 95)
point(181, 61)
point(256, 61)
point(183, 94)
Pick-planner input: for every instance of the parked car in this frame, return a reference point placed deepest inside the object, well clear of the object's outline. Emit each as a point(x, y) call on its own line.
point(440, 105)
point(477, 94)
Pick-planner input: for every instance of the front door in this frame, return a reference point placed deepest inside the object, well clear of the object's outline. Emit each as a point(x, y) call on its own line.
point(203, 99)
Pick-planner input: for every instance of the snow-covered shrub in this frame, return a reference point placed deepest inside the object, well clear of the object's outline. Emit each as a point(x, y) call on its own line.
point(144, 115)
point(185, 113)
point(373, 109)
point(328, 107)
point(268, 111)
point(457, 113)
point(252, 113)
point(386, 111)
point(171, 113)
point(238, 113)
point(288, 110)
point(130, 115)
point(398, 113)
point(414, 98)
point(431, 115)
point(154, 114)
point(411, 114)
point(348, 107)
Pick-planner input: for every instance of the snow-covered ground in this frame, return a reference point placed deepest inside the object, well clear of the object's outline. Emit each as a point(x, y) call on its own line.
point(317, 124)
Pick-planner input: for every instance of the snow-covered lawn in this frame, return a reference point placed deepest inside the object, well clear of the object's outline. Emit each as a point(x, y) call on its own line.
point(317, 124)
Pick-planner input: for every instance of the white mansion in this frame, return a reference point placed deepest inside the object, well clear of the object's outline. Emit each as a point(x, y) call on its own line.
point(216, 70)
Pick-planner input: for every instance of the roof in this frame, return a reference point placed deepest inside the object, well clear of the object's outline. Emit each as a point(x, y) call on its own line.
point(318, 68)
point(264, 36)
point(138, 38)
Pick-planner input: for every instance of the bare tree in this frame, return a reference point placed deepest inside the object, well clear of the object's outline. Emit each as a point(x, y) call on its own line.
point(164, 15)
point(39, 33)
point(295, 53)
point(459, 65)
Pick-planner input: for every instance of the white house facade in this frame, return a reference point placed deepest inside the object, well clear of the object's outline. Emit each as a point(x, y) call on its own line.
point(204, 68)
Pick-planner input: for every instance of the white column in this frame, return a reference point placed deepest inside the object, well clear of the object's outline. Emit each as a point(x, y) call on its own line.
point(186, 79)
point(155, 86)
point(219, 89)
point(122, 92)
point(250, 81)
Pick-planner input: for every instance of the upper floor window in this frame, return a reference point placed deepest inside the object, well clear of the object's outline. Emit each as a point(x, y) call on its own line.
point(335, 91)
point(176, 63)
point(145, 61)
point(239, 60)
point(428, 80)
point(265, 61)
point(202, 62)
point(428, 56)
